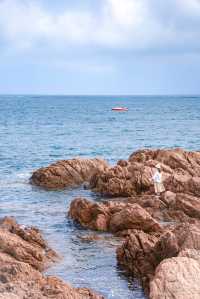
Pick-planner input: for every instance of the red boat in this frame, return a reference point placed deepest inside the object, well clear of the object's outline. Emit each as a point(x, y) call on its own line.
point(120, 109)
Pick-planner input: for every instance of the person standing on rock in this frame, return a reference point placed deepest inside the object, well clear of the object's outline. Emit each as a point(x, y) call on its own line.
point(157, 180)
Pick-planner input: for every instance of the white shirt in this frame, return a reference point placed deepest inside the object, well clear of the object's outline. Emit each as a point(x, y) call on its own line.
point(157, 177)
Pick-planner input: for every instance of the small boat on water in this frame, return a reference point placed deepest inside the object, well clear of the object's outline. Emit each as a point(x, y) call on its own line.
point(120, 109)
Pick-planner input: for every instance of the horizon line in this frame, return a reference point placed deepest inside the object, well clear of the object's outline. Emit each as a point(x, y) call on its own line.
point(99, 95)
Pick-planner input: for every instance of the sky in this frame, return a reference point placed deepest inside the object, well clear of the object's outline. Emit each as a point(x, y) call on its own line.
point(100, 47)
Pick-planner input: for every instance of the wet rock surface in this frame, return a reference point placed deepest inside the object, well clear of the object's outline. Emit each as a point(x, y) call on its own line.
point(67, 173)
point(23, 255)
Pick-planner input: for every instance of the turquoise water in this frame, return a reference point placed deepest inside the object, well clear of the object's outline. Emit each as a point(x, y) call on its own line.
point(38, 130)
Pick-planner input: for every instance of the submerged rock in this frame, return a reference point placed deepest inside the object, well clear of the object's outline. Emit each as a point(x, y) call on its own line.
point(67, 173)
point(23, 255)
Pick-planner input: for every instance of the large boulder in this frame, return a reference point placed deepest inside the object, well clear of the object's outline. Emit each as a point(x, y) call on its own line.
point(141, 253)
point(181, 173)
point(23, 255)
point(112, 216)
point(133, 216)
point(176, 278)
point(67, 173)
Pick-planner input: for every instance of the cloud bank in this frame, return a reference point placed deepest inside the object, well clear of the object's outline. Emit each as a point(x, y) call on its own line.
point(110, 24)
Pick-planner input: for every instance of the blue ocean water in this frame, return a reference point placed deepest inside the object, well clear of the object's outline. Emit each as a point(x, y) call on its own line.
point(38, 130)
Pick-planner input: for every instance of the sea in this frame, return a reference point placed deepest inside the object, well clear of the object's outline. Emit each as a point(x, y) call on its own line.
point(38, 130)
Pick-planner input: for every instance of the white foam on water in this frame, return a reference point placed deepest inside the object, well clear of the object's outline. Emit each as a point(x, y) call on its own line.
point(16, 179)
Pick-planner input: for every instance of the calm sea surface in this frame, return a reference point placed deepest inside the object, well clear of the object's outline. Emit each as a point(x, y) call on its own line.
point(38, 130)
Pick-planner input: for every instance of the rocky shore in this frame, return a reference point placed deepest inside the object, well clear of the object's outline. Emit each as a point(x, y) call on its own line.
point(24, 254)
point(161, 235)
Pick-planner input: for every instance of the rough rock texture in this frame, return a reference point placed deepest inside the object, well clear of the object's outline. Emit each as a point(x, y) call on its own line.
point(25, 244)
point(181, 173)
point(23, 254)
point(121, 214)
point(137, 218)
point(176, 278)
point(136, 256)
point(19, 280)
point(112, 216)
point(190, 205)
point(141, 253)
point(170, 206)
point(67, 173)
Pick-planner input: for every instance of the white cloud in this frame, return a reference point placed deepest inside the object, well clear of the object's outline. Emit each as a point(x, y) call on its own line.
point(133, 24)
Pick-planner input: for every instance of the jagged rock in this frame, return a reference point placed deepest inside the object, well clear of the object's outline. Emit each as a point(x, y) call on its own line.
point(67, 173)
point(181, 173)
point(170, 206)
point(23, 254)
point(19, 280)
point(136, 256)
point(25, 244)
point(141, 253)
point(171, 243)
point(190, 205)
point(112, 216)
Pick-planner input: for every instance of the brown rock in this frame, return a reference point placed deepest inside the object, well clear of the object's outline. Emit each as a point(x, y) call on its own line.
point(67, 173)
point(190, 205)
point(90, 215)
point(25, 244)
point(136, 257)
point(191, 253)
point(112, 216)
point(171, 243)
point(141, 253)
point(19, 280)
point(23, 254)
point(169, 198)
point(181, 173)
point(176, 278)
point(133, 216)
